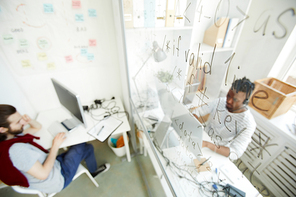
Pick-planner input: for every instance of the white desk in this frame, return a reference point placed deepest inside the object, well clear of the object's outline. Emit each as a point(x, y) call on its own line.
point(182, 187)
point(79, 134)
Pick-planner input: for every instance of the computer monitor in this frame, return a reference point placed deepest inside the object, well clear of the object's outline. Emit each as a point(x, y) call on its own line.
point(183, 122)
point(71, 102)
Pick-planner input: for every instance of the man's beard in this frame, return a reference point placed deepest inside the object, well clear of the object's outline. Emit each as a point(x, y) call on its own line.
point(15, 132)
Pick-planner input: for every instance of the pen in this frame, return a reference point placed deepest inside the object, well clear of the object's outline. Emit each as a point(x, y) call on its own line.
point(100, 130)
point(204, 161)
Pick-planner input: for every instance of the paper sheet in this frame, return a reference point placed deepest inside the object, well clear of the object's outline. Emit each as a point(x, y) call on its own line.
point(105, 128)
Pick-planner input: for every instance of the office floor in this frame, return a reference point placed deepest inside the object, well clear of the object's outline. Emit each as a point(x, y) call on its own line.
point(123, 179)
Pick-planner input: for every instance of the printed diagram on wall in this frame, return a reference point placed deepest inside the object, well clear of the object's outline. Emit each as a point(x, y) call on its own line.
point(46, 37)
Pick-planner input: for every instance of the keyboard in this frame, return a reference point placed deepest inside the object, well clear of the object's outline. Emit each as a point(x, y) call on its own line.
point(56, 128)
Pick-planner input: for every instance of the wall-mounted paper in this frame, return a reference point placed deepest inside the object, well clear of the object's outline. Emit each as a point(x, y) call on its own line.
point(41, 56)
point(51, 66)
point(76, 4)
point(92, 13)
point(69, 59)
point(92, 42)
point(83, 52)
point(79, 18)
point(8, 39)
point(149, 13)
point(43, 43)
point(48, 8)
point(23, 43)
point(26, 64)
point(90, 56)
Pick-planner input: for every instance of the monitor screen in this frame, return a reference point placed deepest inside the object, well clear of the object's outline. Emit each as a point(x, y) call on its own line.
point(71, 102)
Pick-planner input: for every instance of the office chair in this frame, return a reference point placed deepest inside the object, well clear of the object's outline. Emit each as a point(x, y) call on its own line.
point(81, 169)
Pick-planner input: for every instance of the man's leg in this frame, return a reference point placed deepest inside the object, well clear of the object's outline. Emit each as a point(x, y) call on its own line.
point(71, 159)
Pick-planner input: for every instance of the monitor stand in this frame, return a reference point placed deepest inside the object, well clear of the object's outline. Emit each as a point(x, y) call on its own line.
point(70, 124)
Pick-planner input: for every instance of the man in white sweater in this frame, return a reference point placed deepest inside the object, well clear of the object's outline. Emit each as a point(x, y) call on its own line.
point(229, 122)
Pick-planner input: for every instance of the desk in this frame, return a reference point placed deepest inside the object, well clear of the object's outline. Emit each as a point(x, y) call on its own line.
point(178, 175)
point(79, 134)
point(173, 162)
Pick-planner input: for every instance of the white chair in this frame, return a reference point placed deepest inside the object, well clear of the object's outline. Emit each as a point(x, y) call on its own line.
point(81, 169)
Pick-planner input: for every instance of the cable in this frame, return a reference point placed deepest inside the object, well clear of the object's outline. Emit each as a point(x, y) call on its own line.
point(206, 188)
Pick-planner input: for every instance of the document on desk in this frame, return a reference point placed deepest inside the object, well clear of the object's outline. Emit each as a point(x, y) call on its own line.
point(105, 128)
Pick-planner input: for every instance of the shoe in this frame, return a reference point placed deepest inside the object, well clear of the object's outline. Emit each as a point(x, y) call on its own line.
point(101, 169)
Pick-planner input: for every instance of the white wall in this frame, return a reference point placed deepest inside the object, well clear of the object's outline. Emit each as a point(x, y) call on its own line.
point(258, 46)
point(92, 79)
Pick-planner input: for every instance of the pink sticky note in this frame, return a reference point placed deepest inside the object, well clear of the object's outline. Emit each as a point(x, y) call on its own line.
point(76, 4)
point(69, 59)
point(92, 42)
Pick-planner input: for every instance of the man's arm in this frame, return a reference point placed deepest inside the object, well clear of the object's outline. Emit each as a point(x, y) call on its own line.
point(34, 125)
point(222, 150)
point(202, 119)
point(41, 171)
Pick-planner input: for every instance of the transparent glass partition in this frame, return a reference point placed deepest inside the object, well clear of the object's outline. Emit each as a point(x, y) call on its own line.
point(183, 54)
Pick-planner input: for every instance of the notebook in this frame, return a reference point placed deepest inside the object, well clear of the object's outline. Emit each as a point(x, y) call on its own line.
point(105, 128)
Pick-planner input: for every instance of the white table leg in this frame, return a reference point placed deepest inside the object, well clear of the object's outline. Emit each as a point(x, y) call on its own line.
point(128, 154)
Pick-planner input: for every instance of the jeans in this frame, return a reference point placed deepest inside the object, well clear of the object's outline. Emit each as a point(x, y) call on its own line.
point(71, 159)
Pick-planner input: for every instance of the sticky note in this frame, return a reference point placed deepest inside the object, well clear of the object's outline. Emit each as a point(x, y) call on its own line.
point(41, 56)
point(26, 64)
point(90, 56)
point(79, 18)
point(8, 39)
point(23, 43)
point(69, 59)
point(92, 13)
point(76, 4)
point(51, 66)
point(83, 52)
point(92, 42)
point(48, 8)
point(43, 43)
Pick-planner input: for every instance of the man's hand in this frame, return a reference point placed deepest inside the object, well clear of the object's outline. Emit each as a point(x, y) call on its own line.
point(205, 143)
point(222, 150)
point(26, 118)
point(58, 140)
point(34, 125)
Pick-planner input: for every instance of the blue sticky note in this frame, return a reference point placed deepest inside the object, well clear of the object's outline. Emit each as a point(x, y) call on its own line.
point(48, 8)
point(83, 52)
point(79, 18)
point(90, 56)
point(92, 12)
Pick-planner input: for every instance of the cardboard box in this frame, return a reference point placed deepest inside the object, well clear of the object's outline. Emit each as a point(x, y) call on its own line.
point(272, 97)
point(215, 34)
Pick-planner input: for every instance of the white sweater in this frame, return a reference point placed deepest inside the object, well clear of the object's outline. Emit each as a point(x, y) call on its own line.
point(233, 130)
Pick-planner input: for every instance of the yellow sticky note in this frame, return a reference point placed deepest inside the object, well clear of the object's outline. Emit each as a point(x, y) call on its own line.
point(42, 56)
point(26, 64)
point(51, 66)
